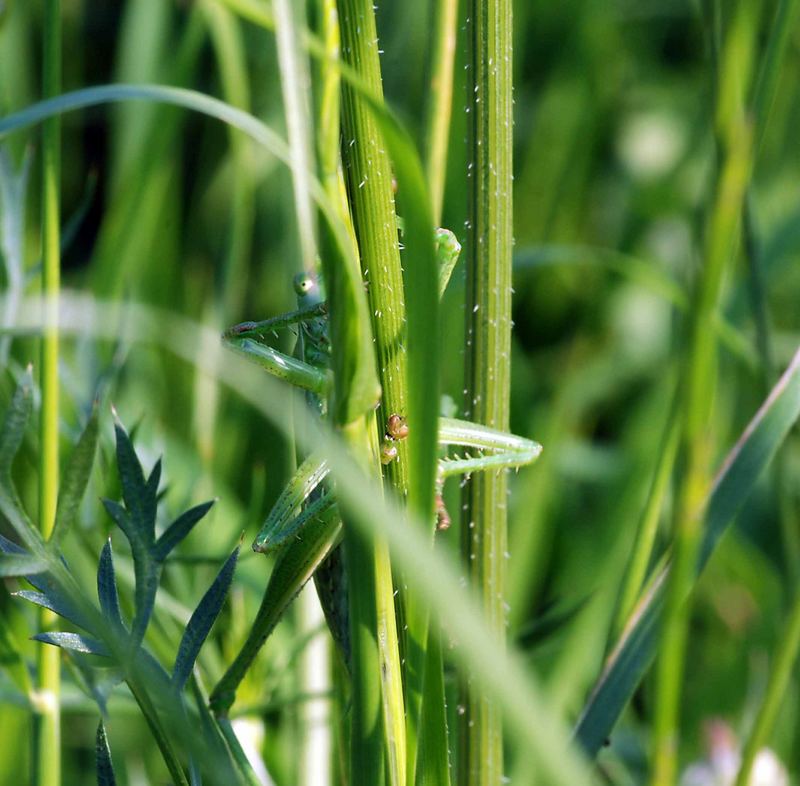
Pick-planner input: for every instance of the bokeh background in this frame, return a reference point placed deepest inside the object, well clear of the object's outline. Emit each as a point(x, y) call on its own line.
point(614, 161)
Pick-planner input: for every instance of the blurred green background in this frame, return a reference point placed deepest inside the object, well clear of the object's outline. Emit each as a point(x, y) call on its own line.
point(614, 158)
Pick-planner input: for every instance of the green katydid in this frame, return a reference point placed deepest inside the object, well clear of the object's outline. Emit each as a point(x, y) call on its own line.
point(304, 526)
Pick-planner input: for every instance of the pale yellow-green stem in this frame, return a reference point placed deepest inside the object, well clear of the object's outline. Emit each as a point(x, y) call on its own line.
point(47, 730)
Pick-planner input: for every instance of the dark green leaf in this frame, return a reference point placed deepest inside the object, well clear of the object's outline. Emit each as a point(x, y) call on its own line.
point(107, 586)
point(75, 642)
point(55, 604)
point(201, 622)
point(76, 477)
point(105, 768)
point(636, 648)
point(135, 492)
point(179, 529)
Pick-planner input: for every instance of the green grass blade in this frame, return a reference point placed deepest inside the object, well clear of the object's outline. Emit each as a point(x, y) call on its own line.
point(736, 478)
point(433, 764)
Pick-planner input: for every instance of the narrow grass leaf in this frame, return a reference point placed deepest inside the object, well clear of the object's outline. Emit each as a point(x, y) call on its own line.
point(201, 622)
point(179, 529)
point(107, 586)
point(76, 477)
point(433, 765)
point(739, 472)
point(105, 767)
point(75, 642)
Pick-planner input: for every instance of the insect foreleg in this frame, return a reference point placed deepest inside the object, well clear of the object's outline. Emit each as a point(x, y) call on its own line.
point(281, 523)
point(265, 326)
point(295, 372)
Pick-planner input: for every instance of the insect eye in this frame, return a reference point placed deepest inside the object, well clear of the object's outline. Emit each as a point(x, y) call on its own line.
point(302, 283)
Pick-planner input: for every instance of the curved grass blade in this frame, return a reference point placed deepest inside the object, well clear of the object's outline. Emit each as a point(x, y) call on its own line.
point(737, 476)
point(201, 622)
point(105, 767)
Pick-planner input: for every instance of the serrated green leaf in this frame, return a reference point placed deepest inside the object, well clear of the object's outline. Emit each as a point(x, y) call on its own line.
point(134, 488)
point(75, 642)
point(201, 622)
point(105, 767)
point(107, 586)
point(636, 648)
point(21, 565)
point(76, 477)
point(179, 529)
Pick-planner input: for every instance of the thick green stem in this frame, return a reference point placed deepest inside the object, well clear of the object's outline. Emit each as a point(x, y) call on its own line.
point(488, 331)
point(734, 142)
point(368, 173)
point(47, 731)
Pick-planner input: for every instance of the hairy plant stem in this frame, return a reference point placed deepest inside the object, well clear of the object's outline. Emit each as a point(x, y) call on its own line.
point(47, 724)
point(734, 145)
point(368, 174)
point(488, 331)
